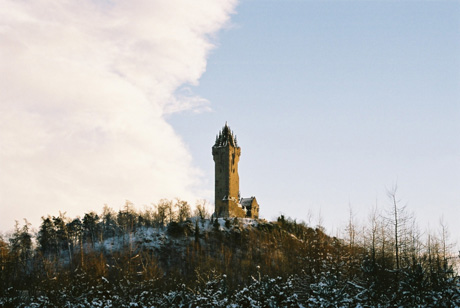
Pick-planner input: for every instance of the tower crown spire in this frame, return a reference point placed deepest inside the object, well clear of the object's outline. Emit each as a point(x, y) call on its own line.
point(226, 137)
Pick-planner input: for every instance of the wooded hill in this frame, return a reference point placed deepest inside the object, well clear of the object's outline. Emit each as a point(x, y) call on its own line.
point(166, 256)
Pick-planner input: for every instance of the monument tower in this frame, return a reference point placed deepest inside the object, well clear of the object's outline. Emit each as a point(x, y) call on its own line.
point(226, 154)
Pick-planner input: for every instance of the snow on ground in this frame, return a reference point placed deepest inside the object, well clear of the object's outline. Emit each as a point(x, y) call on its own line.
point(157, 237)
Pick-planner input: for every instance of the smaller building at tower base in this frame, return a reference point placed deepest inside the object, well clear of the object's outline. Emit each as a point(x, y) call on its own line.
point(244, 208)
point(251, 207)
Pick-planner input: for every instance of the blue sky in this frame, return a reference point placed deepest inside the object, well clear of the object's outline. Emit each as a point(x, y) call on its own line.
point(334, 102)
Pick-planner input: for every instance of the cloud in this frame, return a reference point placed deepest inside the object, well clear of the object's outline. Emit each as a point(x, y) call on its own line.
point(84, 90)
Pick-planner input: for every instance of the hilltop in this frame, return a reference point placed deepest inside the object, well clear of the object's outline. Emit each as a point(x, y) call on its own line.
point(131, 259)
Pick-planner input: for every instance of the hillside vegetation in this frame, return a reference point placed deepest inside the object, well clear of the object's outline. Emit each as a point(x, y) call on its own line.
point(167, 256)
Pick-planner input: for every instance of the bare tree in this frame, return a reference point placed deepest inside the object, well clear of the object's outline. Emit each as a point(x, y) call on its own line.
point(165, 211)
point(183, 210)
point(146, 217)
point(310, 216)
point(399, 219)
point(201, 209)
point(351, 232)
point(444, 237)
point(414, 243)
point(373, 233)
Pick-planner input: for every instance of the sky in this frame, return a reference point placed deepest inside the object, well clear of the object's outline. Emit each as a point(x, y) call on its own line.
point(333, 103)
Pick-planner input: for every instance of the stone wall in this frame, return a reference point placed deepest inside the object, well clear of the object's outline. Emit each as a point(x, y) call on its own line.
point(227, 184)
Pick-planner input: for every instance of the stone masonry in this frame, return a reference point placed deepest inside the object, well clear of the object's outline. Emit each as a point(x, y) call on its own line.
point(226, 154)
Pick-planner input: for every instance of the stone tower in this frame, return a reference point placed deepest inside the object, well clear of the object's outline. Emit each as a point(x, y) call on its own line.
point(226, 154)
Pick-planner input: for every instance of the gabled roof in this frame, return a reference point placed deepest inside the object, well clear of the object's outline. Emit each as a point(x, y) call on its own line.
point(247, 201)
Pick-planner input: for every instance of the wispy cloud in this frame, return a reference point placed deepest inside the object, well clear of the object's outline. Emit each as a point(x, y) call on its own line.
point(84, 88)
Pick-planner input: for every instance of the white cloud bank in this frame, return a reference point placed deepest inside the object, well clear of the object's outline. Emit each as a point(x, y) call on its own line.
point(84, 87)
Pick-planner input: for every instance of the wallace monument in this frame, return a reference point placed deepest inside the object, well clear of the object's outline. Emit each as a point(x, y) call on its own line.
point(228, 203)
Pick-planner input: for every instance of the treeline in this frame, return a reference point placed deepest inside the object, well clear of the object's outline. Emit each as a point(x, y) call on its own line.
point(170, 255)
point(60, 233)
point(65, 243)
